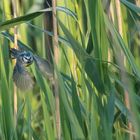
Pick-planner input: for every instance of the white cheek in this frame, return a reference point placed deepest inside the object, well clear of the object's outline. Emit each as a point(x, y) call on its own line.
point(25, 60)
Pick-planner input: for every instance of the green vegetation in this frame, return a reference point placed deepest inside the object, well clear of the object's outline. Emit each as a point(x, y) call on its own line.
point(98, 70)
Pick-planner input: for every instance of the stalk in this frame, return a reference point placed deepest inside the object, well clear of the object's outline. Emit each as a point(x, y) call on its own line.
point(122, 64)
point(56, 57)
point(14, 6)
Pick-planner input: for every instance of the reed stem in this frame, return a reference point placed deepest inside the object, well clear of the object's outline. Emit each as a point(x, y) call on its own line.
point(56, 57)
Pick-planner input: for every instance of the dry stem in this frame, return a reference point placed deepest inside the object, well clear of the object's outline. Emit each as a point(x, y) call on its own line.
point(122, 63)
point(56, 55)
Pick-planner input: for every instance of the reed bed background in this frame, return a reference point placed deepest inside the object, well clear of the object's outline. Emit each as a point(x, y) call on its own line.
point(95, 49)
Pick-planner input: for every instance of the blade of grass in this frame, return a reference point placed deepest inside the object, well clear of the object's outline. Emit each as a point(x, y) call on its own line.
point(22, 19)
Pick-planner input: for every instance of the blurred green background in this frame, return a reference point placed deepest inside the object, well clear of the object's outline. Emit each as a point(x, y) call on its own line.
point(98, 70)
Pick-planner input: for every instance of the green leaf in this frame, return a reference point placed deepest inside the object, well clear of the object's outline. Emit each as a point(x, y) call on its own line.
point(131, 6)
point(23, 19)
point(86, 61)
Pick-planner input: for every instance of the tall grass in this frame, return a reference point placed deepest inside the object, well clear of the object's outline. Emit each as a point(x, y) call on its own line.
point(98, 73)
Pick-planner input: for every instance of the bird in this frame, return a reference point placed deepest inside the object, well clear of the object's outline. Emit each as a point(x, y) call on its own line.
point(24, 58)
point(44, 66)
point(21, 77)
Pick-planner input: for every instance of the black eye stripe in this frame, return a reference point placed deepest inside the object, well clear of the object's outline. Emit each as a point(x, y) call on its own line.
point(28, 58)
point(24, 59)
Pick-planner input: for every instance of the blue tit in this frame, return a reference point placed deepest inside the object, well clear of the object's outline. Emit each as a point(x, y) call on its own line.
point(21, 76)
point(44, 66)
point(23, 57)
